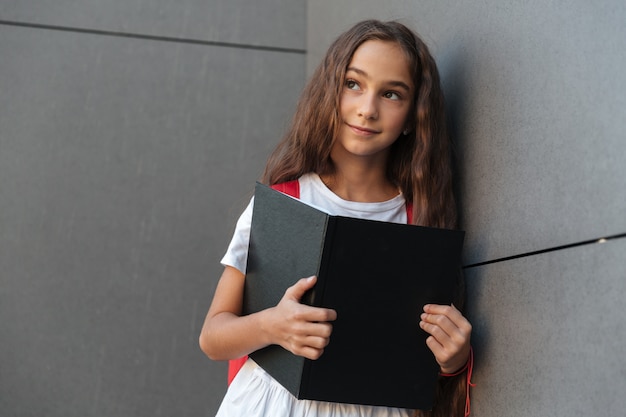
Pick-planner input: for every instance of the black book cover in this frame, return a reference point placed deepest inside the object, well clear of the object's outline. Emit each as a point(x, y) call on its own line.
point(376, 275)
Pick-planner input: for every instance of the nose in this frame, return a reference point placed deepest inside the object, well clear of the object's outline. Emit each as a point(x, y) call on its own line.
point(368, 107)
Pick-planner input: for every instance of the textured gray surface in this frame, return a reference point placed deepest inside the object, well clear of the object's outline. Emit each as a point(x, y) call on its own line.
point(123, 166)
point(536, 97)
point(549, 333)
point(276, 23)
point(125, 162)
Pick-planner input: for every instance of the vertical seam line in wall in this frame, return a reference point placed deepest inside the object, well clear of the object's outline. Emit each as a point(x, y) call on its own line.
point(153, 37)
point(553, 249)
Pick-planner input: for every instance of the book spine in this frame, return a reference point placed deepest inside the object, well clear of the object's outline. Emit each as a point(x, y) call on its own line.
point(316, 296)
point(325, 260)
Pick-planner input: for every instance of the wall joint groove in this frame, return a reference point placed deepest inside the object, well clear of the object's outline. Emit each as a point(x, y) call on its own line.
point(553, 249)
point(153, 37)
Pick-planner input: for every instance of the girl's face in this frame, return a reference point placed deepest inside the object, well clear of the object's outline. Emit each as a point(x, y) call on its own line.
point(375, 101)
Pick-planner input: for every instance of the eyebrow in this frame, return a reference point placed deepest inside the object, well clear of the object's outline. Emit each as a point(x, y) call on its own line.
point(394, 83)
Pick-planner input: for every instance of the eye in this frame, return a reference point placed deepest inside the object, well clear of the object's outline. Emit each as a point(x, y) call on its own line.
point(352, 85)
point(392, 95)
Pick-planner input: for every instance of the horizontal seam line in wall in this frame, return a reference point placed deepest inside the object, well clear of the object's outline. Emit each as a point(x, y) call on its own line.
point(154, 37)
point(556, 248)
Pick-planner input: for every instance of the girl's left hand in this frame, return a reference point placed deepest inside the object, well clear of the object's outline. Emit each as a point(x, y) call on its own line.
point(449, 338)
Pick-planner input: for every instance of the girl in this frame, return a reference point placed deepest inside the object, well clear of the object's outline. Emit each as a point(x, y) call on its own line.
point(368, 140)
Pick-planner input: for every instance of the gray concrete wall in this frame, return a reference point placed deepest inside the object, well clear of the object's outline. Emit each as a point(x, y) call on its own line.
point(536, 97)
point(131, 134)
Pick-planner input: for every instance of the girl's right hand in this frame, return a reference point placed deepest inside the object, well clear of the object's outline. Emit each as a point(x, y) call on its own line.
point(301, 329)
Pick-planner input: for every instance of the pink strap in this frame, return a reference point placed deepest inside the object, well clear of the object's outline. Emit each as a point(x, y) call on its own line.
point(469, 366)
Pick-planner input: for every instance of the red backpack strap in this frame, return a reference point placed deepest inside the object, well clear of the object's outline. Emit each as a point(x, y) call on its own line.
point(291, 188)
point(234, 365)
point(409, 212)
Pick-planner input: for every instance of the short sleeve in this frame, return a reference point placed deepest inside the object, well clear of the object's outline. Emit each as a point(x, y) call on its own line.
point(237, 252)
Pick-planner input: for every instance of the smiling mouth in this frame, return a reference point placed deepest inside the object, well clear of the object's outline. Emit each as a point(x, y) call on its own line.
point(362, 130)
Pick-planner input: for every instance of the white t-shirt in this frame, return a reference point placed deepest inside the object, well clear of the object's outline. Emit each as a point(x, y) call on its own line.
point(315, 193)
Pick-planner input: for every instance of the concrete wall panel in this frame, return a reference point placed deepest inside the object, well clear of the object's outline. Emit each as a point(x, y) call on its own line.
point(536, 97)
point(277, 23)
point(535, 92)
point(124, 164)
point(549, 333)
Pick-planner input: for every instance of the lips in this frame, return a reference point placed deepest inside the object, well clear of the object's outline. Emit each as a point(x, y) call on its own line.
point(360, 130)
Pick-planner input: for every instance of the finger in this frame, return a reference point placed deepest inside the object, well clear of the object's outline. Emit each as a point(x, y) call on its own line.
point(435, 347)
point(313, 347)
point(436, 331)
point(439, 320)
point(321, 330)
point(316, 342)
point(308, 346)
point(310, 352)
point(297, 290)
point(444, 330)
point(313, 314)
point(454, 324)
point(297, 343)
point(449, 344)
point(450, 311)
point(448, 360)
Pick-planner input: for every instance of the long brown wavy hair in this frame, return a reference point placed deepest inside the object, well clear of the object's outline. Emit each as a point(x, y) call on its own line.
point(419, 162)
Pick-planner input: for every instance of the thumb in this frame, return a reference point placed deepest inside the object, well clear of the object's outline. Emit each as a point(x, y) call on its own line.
point(297, 290)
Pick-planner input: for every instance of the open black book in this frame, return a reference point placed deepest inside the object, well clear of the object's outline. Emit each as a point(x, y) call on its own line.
point(376, 275)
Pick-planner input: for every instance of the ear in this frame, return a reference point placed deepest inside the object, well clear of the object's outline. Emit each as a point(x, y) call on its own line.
point(409, 126)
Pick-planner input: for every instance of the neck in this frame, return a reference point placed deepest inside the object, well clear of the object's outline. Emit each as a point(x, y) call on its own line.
point(362, 182)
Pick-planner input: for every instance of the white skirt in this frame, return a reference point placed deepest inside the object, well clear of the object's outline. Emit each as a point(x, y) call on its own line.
point(254, 393)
